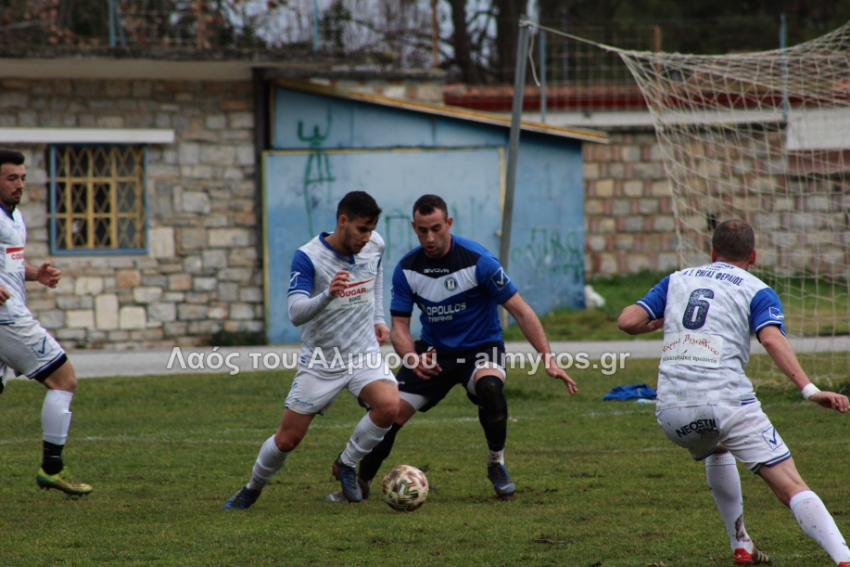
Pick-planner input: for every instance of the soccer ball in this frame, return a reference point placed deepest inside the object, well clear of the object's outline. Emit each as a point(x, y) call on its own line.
point(405, 488)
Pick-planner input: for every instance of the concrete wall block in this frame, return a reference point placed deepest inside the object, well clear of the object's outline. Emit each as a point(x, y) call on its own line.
point(633, 188)
point(630, 153)
point(633, 224)
point(590, 171)
point(193, 238)
point(130, 318)
point(204, 284)
point(637, 262)
point(161, 242)
point(88, 286)
point(606, 226)
point(594, 206)
point(621, 207)
point(147, 294)
point(214, 259)
point(667, 262)
point(251, 294)
point(241, 311)
point(817, 203)
point(79, 319)
point(63, 302)
point(235, 275)
point(195, 202)
point(216, 155)
point(193, 265)
point(191, 312)
point(647, 170)
point(604, 188)
point(648, 206)
point(660, 189)
point(229, 237)
point(228, 292)
point(162, 312)
point(106, 311)
point(179, 282)
point(664, 223)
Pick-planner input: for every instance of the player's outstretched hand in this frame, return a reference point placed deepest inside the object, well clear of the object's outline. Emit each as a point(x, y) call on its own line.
point(382, 333)
point(831, 400)
point(48, 275)
point(339, 283)
point(555, 371)
point(4, 295)
point(427, 365)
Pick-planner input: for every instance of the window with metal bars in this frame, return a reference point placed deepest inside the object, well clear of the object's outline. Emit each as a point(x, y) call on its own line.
point(98, 202)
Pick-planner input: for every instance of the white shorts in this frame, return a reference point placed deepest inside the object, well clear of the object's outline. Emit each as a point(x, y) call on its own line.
point(28, 349)
point(314, 392)
point(745, 430)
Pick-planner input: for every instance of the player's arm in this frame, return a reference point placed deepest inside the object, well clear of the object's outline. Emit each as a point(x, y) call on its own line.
point(4, 295)
point(531, 327)
point(382, 332)
point(782, 353)
point(44, 274)
point(634, 320)
point(426, 363)
point(647, 315)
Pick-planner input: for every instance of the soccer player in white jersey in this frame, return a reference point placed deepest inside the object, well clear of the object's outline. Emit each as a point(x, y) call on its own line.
point(336, 296)
point(705, 402)
point(25, 346)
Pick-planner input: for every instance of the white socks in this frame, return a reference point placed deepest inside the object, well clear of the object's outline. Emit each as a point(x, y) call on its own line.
point(818, 524)
point(721, 473)
point(269, 461)
point(56, 416)
point(494, 457)
point(365, 437)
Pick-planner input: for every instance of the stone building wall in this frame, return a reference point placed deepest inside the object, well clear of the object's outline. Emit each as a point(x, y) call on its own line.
point(629, 223)
point(202, 273)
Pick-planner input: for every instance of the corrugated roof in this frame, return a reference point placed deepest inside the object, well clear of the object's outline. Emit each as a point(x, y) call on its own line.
point(441, 110)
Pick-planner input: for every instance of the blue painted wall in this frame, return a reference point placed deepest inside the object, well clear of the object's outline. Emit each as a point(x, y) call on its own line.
point(325, 147)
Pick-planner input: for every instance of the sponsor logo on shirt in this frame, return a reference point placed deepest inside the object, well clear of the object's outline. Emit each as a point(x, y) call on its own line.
point(451, 284)
point(500, 278)
point(14, 260)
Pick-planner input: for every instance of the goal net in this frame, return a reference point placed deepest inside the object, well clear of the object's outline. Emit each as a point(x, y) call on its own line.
point(765, 137)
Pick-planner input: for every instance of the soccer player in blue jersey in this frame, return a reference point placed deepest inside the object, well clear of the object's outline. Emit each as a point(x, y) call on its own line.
point(457, 284)
point(707, 405)
point(336, 297)
point(25, 346)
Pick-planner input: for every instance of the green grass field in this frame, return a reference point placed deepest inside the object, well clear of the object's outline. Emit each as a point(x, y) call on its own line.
point(598, 483)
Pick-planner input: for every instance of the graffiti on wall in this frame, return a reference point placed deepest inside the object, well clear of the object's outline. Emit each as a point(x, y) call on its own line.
point(552, 253)
point(318, 178)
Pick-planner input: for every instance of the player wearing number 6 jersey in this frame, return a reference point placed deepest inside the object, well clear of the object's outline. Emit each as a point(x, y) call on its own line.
point(706, 403)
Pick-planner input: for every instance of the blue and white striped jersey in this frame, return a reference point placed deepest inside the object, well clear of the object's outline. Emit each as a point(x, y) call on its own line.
point(709, 313)
point(457, 294)
point(13, 239)
point(347, 322)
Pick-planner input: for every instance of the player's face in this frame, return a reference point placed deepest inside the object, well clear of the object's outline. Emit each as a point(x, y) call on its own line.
point(433, 232)
point(12, 178)
point(356, 233)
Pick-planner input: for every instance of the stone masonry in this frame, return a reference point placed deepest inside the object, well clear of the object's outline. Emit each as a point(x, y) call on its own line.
point(628, 215)
point(202, 272)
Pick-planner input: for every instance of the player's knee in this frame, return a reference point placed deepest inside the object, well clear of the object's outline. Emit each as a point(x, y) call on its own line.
point(488, 389)
point(384, 414)
point(287, 441)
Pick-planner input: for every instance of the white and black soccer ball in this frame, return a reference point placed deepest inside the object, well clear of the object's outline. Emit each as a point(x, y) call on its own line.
point(405, 488)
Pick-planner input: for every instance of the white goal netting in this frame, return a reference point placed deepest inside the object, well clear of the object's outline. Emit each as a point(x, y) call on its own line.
point(765, 137)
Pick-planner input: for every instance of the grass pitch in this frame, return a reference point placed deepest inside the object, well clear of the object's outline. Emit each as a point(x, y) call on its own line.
point(598, 483)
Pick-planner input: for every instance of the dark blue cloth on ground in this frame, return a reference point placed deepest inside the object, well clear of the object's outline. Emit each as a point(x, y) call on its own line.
point(623, 393)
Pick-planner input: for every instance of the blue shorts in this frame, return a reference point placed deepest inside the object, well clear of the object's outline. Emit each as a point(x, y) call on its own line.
point(458, 368)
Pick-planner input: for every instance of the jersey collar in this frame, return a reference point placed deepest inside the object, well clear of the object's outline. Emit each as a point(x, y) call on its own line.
point(349, 259)
point(7, 211)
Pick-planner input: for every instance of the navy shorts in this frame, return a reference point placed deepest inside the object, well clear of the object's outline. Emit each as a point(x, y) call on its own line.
point(458, 368)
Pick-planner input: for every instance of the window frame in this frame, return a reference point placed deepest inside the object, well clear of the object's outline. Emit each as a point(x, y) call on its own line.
point(54, 250)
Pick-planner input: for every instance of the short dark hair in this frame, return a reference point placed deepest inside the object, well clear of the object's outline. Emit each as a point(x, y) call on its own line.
point(11, 156)
point(426, 204)
point(733, 240)
point(357, 204)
